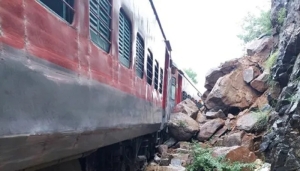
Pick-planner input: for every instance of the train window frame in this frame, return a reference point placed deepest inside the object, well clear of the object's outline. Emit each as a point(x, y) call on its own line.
point(161, 82)
point(173, 88)
point(123, 60)
point(149, 65)
point(156, 74)
point(140, 56)
point(65, 4)
point(100, 23)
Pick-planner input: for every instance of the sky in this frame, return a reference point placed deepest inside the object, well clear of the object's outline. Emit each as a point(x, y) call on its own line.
point(203, 33)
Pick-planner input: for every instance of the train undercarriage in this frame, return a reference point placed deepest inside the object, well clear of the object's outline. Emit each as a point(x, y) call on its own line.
point(128, 155)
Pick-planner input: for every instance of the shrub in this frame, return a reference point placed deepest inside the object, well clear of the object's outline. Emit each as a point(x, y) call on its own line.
point(204, 161)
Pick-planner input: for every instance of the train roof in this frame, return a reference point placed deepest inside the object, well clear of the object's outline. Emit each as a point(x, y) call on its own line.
point(168, 44)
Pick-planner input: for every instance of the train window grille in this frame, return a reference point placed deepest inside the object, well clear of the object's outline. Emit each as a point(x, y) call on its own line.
point(63, 8)
point(149, 67)
point(100, 23)
point(161, 80)
point(124, 39)
point(140, 51)
point(156, 70)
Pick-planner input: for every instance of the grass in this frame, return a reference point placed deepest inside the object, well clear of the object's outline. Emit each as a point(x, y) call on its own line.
point(281, 15)
point(204, 161)
point(262, 119)
point(182, 124)
point(271, 61)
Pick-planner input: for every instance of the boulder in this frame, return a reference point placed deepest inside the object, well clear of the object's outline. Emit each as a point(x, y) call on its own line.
point(182, 159)
point(188, 107)
point(214, 74)
point(182, 127)
point(214, 115)
point(235, 154)
point(231, 90)
point(260, 46)
point(233, 139)
point(260, 83)
point(248, 141)
point(250, 74)
point(209, 128)
point(201, 118)
point(248, 122)
point(217, 135)
point(163, 150)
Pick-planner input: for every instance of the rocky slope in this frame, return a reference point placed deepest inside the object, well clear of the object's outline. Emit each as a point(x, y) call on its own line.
point(251, 104)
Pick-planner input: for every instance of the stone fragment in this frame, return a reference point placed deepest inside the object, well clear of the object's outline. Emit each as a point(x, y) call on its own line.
point(209, 128)
point(260, 83)
point(250, 73)
point(214, 115)
point(233, 139)
point(163, 150)
point(247, 121)
point(235, 154)
point(182, 127)
point(201, 118)
point(155, 167)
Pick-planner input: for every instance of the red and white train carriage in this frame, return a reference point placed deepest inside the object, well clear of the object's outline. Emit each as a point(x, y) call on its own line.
point(77, 75)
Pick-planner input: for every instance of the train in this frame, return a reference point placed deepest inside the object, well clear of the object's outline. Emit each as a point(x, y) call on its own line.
point(86, 85)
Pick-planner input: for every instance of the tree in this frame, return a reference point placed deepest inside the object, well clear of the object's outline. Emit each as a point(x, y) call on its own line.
point(254, 26)
point(192, 74)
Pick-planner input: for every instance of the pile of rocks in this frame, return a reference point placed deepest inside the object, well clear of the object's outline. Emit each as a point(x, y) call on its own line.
point(235, 116)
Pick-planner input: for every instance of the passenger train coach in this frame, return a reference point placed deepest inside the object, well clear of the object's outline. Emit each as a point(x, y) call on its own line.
point(78, 75)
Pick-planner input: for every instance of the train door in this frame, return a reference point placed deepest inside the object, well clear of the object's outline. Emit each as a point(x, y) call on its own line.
point(179, 90)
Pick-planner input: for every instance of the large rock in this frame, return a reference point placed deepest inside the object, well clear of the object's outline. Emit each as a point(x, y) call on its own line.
point(260, 83)
point(249, 121)
point(250, 74)
point(235, 154)
point(182, 127)
point(233, 139)
point(214, 74)
point(260, 46)
point(188, 107)
point(231, 90)
point(209, 128)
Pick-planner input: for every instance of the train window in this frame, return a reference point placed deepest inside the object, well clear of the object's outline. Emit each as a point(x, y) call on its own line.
point(63, 8)
point(124, 39)
point(173, 88)
point(140, 51)
point(161, 80)
point(100, 23)
point(149, 67)
point(156, 70)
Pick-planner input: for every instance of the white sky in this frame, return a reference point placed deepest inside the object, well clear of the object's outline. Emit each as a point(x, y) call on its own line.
point(203, 32)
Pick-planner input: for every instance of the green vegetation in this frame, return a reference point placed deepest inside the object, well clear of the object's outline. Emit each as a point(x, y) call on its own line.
point(281, 15)
point(254, 26)
point(262, 119)
point(271, 60)
point(182, 124)
point(192, 74)
point(204, 161)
